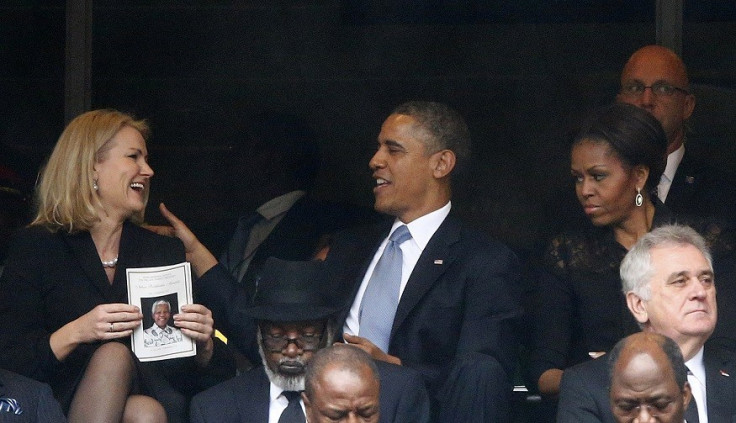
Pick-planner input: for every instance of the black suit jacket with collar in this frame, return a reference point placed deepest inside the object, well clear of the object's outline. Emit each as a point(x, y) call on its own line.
point(462, 297)
point(701, 190)
point(584, 390)
point(36, 402)
point(54, 278)
point(245, 398)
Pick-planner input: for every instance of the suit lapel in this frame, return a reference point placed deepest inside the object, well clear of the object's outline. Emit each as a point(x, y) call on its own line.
point(719, 388)
point(436, 258)
point(83, 249)
point(683, 183)
point(253, 399)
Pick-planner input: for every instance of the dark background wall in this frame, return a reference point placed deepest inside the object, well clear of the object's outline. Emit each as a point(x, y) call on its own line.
point(521, 73)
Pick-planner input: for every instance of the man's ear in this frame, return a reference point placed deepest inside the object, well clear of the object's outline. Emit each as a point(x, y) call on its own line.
point(687, 395)
point(307, 404)
point(443, 162)
point(638, 307)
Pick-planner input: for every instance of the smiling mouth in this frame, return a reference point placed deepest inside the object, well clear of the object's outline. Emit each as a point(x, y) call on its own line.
point(137, 186)
point(380, 182)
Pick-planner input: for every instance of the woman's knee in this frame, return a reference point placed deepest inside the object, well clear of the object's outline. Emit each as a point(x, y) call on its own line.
point(115, 353)
point(143, 409)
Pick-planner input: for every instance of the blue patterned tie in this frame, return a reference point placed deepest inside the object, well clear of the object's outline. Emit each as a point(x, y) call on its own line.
point(381, 297)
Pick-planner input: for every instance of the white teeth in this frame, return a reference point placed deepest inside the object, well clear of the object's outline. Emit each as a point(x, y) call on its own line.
point(136, 185)
point(381, 181)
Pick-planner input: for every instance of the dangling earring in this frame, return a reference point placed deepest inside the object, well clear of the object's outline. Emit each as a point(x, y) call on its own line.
point(639, 199)
point(94, 185)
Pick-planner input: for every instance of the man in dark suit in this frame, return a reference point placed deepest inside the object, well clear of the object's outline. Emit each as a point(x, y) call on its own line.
point(668, 280)
point(293, 310)
point(452, 310)
point(655, 79)
point(648, 380)
point(27, 400)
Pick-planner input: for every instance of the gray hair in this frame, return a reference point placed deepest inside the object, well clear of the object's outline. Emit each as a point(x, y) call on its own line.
point(343, 357)
point(158, 303)
point(636, 269)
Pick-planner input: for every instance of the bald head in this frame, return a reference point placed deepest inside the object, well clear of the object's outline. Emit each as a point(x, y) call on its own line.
point(342, 384)
point(648, 378)
point(652, 65)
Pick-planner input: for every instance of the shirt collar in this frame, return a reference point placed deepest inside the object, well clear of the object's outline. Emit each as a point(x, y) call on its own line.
point(275, 392)
point(280, 204)
point(673, 161)
point(422, 229)
point(696, 366)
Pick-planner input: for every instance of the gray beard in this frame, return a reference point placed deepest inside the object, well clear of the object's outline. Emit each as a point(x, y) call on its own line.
point(289, 382)
point(285, 382)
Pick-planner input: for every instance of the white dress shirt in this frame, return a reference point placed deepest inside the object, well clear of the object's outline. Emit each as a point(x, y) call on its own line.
point(421, 230)
point(278, 403)
point(665, 182)
point(697, 384)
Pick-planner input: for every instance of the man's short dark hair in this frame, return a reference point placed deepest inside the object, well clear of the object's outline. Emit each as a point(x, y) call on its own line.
point(445, 125)
point(345, 357)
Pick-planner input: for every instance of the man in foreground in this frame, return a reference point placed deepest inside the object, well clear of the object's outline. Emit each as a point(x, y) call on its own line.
point(668, 281)
point(342, 384)
point(648, 380)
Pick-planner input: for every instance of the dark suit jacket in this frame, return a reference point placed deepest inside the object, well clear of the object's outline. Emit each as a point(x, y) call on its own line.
point(462, 297)
point(701, 190)
point(245, 399)
point(54, 278)
point(584, 390)
point(34, 398)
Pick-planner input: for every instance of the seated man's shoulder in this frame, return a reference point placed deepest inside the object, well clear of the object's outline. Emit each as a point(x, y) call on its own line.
point(31, 397)
point(394, 374)
point(584, 393)
point(244, 385)
point(591, 372)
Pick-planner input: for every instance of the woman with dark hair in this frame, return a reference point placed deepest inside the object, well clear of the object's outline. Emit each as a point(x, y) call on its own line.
point(64, 302)
point(578, 310)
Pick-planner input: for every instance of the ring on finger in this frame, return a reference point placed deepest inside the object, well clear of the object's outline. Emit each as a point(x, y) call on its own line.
point(112, 327)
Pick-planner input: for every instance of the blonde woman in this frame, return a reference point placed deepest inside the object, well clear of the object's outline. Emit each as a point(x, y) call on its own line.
point(64, 297)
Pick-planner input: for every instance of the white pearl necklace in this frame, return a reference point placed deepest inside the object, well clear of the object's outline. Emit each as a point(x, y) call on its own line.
point(110, 264)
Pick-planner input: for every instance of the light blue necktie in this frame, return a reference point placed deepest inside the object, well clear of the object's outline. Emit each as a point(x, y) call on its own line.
point(381, 297)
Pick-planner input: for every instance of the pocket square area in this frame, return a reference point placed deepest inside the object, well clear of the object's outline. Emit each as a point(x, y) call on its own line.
point(10, 405)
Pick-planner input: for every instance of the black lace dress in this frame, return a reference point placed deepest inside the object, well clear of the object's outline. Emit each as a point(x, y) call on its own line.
point(578, 308)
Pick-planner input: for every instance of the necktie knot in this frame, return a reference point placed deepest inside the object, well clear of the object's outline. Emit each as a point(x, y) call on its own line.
point(292, 395)
point(400, 235)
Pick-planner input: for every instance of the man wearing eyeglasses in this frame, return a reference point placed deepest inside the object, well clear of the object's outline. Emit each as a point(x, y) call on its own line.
point(294, 315)
point(655, 79)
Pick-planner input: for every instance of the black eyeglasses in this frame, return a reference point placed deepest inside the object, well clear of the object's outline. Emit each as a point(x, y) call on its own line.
point(659, 89)
point(303, 341)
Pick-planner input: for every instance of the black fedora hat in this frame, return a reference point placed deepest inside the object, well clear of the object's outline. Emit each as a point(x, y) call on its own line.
point(291, 291)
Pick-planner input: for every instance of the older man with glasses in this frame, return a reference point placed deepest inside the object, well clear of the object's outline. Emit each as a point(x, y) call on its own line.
point(655, 79)
point(293, 311)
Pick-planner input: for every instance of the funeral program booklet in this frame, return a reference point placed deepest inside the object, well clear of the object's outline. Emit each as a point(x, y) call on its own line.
point(159, 292)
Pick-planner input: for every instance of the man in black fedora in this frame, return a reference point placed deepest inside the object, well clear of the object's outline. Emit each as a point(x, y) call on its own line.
point(294, 315)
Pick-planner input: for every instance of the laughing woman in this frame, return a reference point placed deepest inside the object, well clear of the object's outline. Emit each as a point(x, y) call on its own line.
point(63, 300)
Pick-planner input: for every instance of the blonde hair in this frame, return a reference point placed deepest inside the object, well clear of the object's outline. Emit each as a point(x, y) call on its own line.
point(65, 195)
